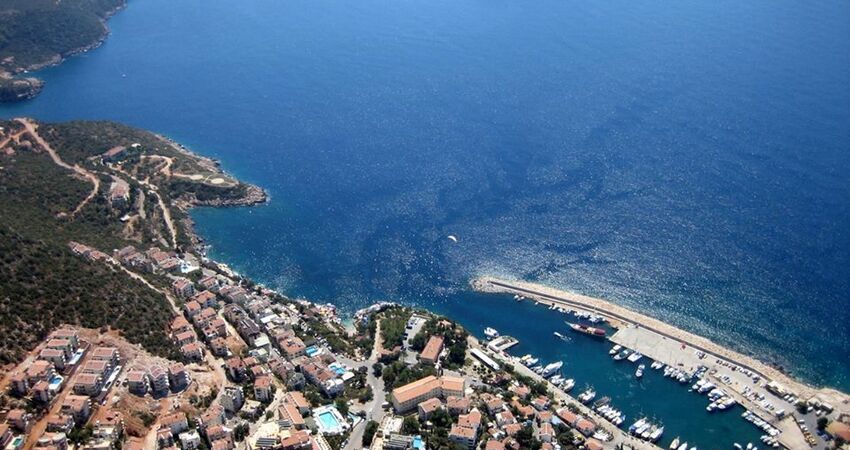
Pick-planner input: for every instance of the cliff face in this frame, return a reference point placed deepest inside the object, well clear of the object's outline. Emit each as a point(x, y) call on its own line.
point(18, 89)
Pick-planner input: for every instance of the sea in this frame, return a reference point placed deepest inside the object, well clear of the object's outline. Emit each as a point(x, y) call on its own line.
point(689, 160)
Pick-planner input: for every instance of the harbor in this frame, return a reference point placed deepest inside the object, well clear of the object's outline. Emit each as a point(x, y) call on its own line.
point(656, 379)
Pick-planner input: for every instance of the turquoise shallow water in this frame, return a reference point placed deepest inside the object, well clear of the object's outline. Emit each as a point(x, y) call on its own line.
point(685, 159)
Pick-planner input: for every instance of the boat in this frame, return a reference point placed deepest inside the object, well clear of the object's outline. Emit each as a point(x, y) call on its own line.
point(622, 355)
point(639, 371)
point(635, 357)
point(568, 385)
point(683, 446)
point(550, 369)
point(595, 332)
point(587, 396)
point(640, 423)
point(452, 238)
point(656, 435)
point(491, 333)
point(532, 361)
point(556, 380)
point(737, 446)
point(561, 336)
point(675, 444)
point(616, 349)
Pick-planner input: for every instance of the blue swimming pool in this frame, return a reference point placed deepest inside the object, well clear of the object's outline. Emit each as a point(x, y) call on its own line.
point(328, 421)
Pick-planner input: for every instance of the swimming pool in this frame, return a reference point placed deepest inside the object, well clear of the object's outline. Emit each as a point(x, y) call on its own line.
point(329, 420)
point(55, 382)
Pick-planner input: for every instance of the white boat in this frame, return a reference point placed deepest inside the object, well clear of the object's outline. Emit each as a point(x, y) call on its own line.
point(561, 336)
point(683, 446)
point(587, 396)
point(556, 380)
point(452, 238)
point(635, 357)
point(550, 369)
point(491, 333)
point(639, 371)
point(737, 446)
point(568, 385)
point(675, 444)
point(656, 435)
point(616, 349)
point(532, 361)
point(622, 355)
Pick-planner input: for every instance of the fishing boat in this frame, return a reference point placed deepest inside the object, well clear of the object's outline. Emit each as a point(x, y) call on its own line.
point(491, 333)
point(550, 369)
point(639, 371)
point(614, 350)
point(595, 332)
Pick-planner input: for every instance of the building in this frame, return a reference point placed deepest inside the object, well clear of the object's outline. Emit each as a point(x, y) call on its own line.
point(190, 440)
point(119, 193)
point(289, 416)
point(108, 354)
point(297, 398)
point(137, 382)
point(20, 419)
point(427, 408)
point(263, 389)
point(55, 356)
point(407, 397)
point(232, 399)
point(88, 384)
point(159, 379)
point(176, 423)
point(78, 407)
point(178, 376)
point(183, 288)
point(457, 405)
point(431, 353)
point(463, 436)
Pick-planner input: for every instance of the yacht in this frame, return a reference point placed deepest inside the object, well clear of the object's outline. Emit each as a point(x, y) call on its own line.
point(639, 371)
point(550, 369)
point(491, 333)
point(616, 349)
point(656, 435)
point(675, 444)
point(622, 355)
point(568, 385)
point(532, 361)
point(587, 396)
point(635, 357)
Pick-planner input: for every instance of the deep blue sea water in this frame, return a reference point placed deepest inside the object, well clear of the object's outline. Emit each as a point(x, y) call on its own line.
point(686, 159)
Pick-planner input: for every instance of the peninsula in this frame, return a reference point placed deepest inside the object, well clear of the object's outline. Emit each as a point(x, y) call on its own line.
point(40, 33)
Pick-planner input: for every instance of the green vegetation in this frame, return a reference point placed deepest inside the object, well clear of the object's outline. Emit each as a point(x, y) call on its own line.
point(369, 432)
point(38, 32)
point(455, 339)
point(44, 283)
point(16, 89)
point(393, 326)
point(399, 374)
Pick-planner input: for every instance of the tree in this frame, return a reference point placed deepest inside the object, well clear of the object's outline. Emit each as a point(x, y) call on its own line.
point(410, 425)
point(822, 423)
point(369, 432)
point(342, 406)
point(377, 368)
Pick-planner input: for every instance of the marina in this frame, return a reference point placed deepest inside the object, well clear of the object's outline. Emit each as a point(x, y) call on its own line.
point(667, 389)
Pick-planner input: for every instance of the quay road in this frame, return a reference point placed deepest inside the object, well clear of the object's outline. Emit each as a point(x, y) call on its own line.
point(619, 436)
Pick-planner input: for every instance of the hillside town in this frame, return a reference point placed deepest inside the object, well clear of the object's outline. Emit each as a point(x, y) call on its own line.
point(255, 370)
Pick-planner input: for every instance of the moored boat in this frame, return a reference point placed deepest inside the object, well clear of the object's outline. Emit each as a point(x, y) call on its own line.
point(592, 331)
